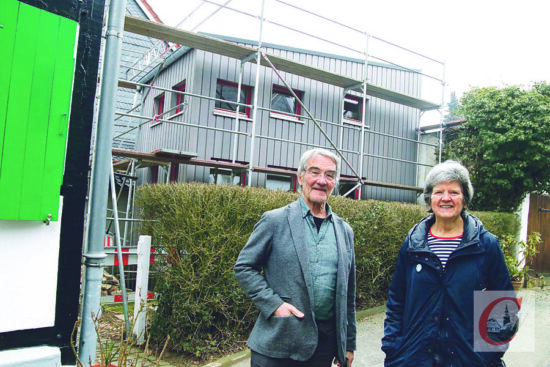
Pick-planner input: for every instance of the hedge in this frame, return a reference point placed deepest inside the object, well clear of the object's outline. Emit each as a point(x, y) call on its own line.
point(201, 229)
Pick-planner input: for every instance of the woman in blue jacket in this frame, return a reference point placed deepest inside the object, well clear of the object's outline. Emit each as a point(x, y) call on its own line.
point(445, 258)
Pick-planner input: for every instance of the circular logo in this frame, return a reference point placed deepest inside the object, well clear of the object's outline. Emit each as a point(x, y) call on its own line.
point(498, 323)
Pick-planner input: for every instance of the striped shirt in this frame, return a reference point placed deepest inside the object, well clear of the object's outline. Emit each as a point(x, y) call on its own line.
point(443, 247)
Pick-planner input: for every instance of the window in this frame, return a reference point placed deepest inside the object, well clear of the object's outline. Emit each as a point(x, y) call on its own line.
point(284, 103)
point(348, 188)
point(227, 93)
point(223, 177)
point(278, 183)
point(177, 98)
point(158, 109)
point(353, 109)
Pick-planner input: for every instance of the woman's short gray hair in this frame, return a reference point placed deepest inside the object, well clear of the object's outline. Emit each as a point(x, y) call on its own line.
point(448, 171)
point(307, 155)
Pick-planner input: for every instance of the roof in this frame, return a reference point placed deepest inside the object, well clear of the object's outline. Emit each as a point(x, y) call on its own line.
point(240, 52)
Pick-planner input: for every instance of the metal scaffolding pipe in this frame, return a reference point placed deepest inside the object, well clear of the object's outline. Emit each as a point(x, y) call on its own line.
point(364, 106)
point(239, 86)
point(441, 117)
point(183, 124)
point(95, 254)
point(255, 111)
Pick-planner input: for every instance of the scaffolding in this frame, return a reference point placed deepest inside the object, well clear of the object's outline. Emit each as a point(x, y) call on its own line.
point(246, 54)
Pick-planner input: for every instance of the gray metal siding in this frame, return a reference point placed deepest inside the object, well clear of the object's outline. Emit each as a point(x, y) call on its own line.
point(134, 49)
point(201, 70)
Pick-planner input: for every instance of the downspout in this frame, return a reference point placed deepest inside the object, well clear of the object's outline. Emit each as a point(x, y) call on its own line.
point(95, 254)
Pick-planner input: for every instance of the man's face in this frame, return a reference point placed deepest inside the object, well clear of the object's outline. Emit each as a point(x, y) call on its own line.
point(318, 180)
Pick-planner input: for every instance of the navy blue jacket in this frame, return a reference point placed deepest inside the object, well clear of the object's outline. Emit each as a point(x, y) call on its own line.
point(431, 309)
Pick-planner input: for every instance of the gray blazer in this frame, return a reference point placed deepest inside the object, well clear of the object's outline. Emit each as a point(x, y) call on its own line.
point(277, 247)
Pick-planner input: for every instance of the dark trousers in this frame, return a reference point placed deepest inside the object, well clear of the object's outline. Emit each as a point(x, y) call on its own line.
point(322, 357)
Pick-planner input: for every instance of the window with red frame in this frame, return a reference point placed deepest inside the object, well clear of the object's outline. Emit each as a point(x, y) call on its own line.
point(284, 103)
point(178, 98)
point(158, 109)
point(226, 93)
point(353, 108)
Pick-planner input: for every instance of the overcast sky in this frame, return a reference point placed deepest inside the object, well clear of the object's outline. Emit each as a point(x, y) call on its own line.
point(482, 42)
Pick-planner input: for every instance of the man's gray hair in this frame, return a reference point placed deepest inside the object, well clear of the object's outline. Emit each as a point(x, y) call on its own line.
point(448, 171)
point(307, 155)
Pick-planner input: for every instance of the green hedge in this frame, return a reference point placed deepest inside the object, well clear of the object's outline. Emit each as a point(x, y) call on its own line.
point(202, 228)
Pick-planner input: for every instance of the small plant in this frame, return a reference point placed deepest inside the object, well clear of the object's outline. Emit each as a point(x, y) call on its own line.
point(517, 265)
point(124, 352)
point(109, 352)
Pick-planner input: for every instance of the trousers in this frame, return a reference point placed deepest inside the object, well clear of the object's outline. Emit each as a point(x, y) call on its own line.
point(322, 357)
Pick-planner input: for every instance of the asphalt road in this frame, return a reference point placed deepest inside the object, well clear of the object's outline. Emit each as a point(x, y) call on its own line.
point(530, 348)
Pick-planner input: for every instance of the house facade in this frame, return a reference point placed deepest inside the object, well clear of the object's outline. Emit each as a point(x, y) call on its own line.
point(192, 112)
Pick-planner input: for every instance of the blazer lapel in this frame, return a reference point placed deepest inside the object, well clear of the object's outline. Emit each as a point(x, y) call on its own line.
point(297, 232)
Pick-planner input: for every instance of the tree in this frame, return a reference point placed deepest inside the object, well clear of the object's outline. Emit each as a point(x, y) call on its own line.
point(452, 110)
point(505, 144)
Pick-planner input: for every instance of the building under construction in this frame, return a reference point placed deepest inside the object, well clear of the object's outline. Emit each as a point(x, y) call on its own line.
point(225, 110)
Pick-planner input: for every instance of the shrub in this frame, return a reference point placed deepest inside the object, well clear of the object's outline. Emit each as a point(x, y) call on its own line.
point(201, 229)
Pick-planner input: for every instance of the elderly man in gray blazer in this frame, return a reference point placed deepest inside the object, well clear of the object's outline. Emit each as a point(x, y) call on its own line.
point(298, 267)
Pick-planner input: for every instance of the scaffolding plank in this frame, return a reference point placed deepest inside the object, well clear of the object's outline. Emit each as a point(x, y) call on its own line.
point(210, 44)
point(162, 157)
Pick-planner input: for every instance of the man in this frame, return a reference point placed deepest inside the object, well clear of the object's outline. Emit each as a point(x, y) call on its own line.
point(298, 267)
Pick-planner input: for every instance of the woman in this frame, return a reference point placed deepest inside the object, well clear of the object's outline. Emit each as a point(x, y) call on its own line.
point(445, 258)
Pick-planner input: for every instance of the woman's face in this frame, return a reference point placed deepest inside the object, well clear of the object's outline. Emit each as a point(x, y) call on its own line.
point(447, 200)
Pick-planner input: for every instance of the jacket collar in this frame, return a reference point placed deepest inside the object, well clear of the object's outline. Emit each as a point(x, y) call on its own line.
point(473, 228)
point(307, 211)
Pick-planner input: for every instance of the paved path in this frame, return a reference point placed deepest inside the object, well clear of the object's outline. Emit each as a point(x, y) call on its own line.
point(531, 347)
point(370, 329)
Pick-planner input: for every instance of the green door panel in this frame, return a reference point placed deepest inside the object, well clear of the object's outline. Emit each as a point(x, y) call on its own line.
point(35, 108)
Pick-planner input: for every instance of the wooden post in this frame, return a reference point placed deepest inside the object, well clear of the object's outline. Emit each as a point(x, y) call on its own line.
point(142, 277)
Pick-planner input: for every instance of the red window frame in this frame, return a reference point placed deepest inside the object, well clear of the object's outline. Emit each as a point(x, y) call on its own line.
point(179, 97)
point(248, 97)
point(158, 108)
